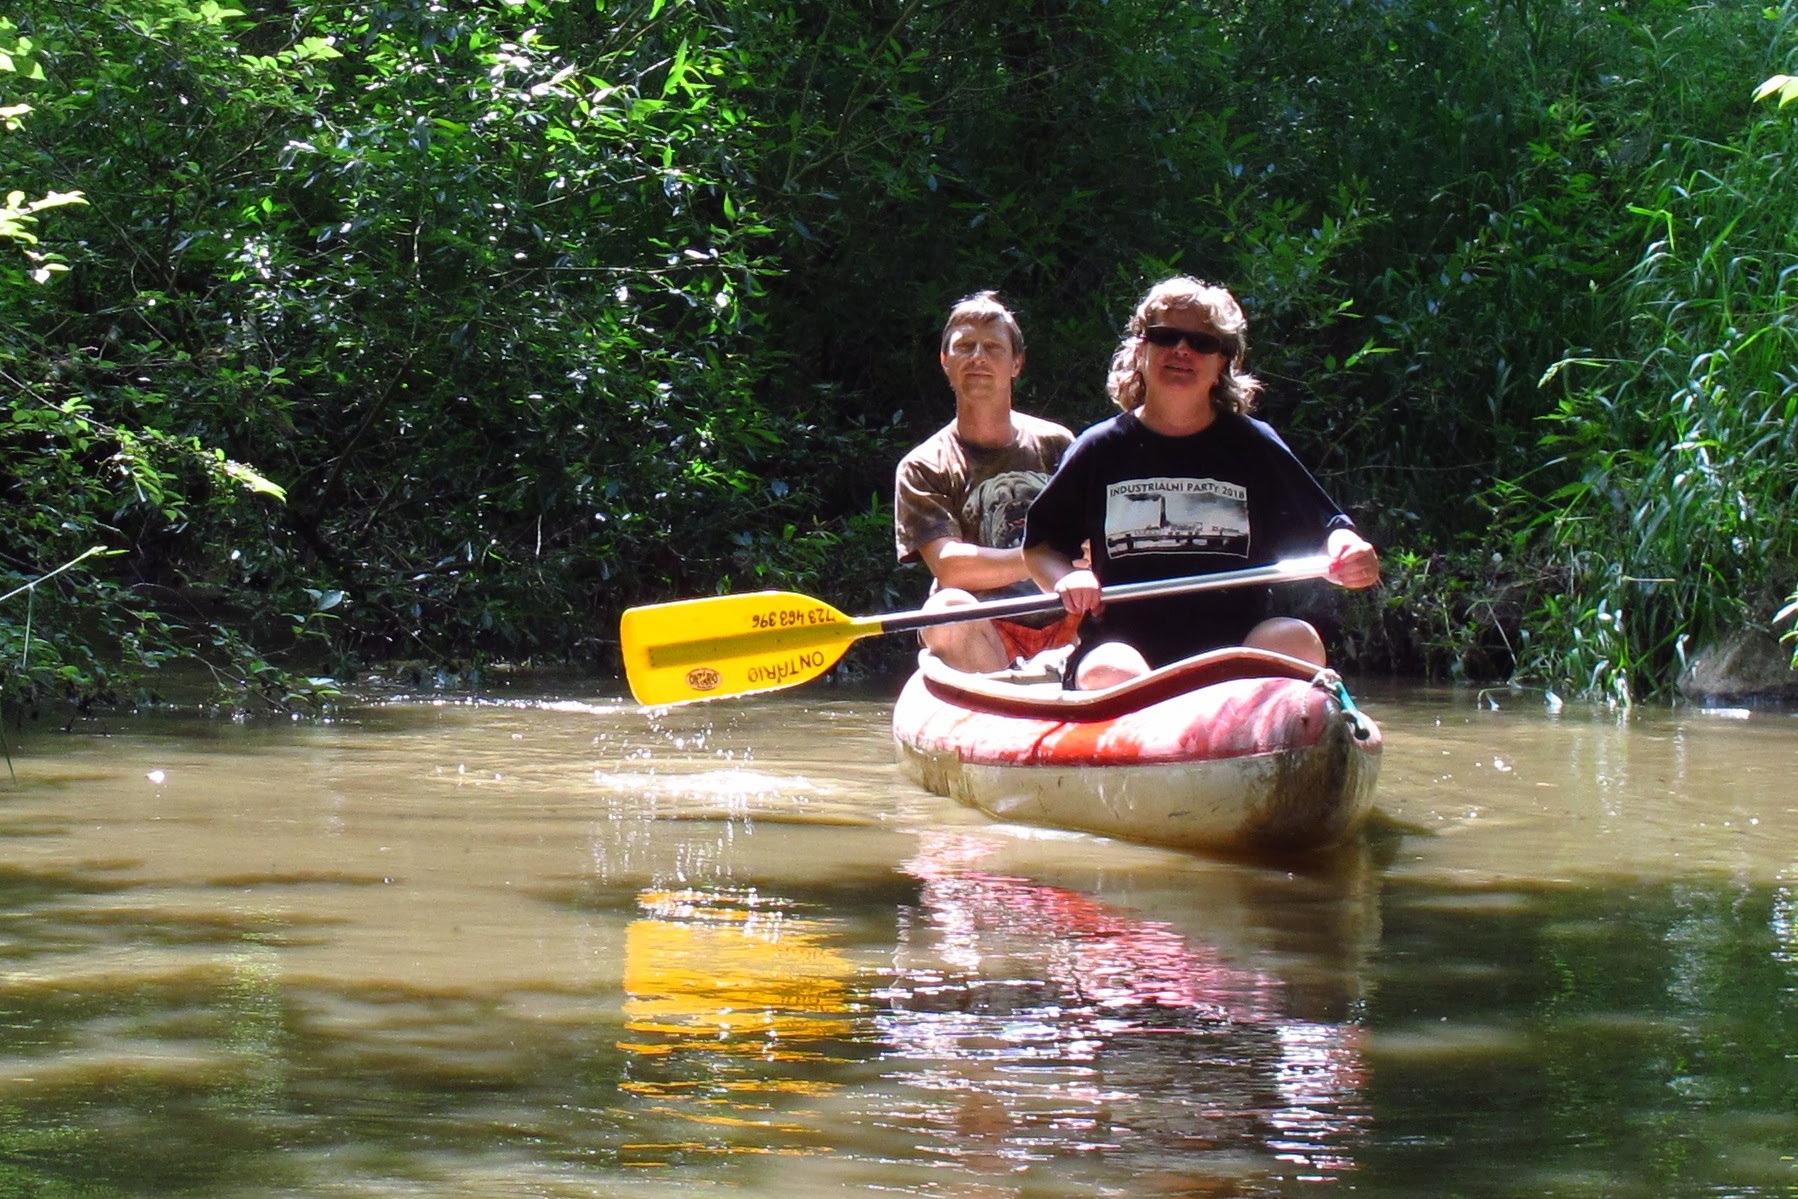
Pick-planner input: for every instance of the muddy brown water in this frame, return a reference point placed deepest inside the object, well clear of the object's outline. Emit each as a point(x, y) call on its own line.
point(551, 944)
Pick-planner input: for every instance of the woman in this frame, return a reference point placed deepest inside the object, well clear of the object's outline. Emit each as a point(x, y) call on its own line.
point(1183, 482)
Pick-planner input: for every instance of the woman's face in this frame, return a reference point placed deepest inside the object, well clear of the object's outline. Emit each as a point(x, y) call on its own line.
point(1181, 373)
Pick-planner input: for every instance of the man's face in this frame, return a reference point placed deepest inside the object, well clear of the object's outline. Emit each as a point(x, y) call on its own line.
point(979, 361)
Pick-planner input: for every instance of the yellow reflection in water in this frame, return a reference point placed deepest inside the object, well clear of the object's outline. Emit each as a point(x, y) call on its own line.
point(726, 993)
point(733, 969)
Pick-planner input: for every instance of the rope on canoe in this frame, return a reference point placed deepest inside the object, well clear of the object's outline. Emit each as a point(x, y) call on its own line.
point(1332, 682)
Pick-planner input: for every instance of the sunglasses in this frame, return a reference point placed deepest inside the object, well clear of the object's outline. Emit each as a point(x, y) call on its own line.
point(1167, 337)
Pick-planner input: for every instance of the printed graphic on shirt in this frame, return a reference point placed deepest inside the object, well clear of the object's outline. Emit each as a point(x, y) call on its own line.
point(997, 506)
point(1176, 516)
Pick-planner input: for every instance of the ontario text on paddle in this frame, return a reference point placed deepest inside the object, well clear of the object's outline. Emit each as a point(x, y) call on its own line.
point(789, 668)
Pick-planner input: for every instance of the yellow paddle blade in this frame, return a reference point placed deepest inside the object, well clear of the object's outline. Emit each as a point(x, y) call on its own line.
point(732, 645)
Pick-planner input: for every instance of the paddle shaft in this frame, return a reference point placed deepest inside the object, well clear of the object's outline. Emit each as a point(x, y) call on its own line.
point(1291, 570)
point(841, 632)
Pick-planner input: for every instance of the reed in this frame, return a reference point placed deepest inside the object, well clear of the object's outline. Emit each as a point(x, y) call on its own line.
point(1675, 523)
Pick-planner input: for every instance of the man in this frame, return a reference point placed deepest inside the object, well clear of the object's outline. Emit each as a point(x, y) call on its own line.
point(960, 498)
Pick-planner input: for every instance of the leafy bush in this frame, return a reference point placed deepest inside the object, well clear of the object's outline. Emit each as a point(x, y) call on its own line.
point(1675, 523)
point(399, 329)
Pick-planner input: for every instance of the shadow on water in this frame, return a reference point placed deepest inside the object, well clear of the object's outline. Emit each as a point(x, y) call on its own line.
point(534, 951)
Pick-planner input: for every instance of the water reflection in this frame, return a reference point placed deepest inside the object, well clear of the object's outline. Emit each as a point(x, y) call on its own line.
point(1002, 1021)
point(1633, 1038)
point(579, 950)
point(1029, 1022)
point(733, 999)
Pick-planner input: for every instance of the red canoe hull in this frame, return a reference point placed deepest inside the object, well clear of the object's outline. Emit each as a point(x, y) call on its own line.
point(1230, 751)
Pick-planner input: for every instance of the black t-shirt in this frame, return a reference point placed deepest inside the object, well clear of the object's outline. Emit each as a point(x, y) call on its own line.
point(1155, 507)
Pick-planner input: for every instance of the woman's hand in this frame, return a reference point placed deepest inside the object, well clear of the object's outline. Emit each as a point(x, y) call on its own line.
point(1073, 582)
point(1079, 592)
point(1353, 562)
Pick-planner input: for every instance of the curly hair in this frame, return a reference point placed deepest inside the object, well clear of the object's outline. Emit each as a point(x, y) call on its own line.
point(1236, 389)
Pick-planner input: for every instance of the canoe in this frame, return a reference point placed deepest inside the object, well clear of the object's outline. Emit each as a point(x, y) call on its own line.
point(1234, 750)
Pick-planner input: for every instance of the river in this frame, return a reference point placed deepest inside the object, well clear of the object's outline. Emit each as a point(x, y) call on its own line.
point(547, 943)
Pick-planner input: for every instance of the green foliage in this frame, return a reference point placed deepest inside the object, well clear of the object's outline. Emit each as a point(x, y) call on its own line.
point(378, 328)
point(1674, 522)
point(1066, 156)
point(477, 305)
point(1783, 86)
point(1441, 615)
point(18, 213)
point(1786, 88)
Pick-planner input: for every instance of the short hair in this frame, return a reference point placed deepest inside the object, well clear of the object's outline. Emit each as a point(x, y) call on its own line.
point(1236, 389)
point(981, 308)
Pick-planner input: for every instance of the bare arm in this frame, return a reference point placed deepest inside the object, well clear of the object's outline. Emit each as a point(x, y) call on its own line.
point(958, 563)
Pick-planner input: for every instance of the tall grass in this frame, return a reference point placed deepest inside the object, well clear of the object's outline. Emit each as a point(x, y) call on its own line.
point(1674, 523)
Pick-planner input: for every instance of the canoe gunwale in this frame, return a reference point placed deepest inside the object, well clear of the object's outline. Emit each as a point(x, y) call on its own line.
point(1036, 701)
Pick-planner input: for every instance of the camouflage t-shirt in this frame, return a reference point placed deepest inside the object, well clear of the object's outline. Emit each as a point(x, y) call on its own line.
point(949, 488)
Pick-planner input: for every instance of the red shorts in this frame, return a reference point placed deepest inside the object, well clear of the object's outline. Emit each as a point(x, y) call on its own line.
point(1022, 641)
